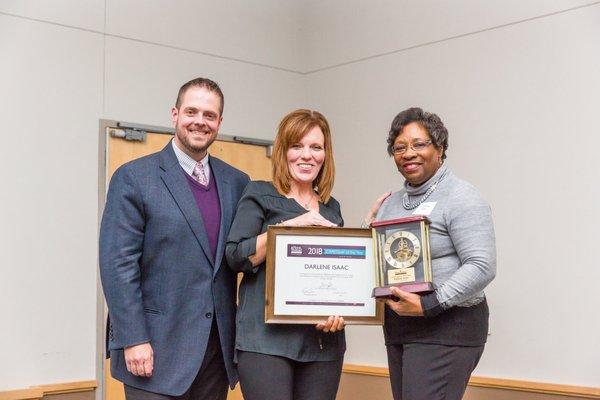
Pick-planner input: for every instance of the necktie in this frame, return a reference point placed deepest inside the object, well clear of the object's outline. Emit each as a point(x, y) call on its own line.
point(199, 174)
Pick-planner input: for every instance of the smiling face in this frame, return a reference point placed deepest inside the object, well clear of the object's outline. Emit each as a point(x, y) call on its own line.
point(416, 167)
point(197, 121)
point(305, 158)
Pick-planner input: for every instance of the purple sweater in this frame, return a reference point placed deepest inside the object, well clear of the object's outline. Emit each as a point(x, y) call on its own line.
point(207, 199)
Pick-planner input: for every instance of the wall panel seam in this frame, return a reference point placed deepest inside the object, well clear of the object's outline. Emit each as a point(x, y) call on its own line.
point(297, 72)
point(447, 39)
point(239, 60)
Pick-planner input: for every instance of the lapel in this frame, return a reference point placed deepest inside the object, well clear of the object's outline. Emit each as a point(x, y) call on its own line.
point(176, 183)
point(225, 201)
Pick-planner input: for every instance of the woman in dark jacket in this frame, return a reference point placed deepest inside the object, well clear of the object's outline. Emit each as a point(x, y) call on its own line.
point(287, 362)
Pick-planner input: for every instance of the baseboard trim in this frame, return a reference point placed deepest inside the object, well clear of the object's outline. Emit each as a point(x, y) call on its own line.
point(536, 387)
point(23, 394)
point(495, 383)
point(365, 370)
point(38, 392)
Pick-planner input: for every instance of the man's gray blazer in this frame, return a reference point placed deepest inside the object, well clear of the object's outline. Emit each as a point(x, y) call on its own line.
point(158, 274)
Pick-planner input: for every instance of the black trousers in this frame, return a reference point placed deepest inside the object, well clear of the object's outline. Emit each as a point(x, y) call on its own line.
point(431, 372)
point(211, 383)
point(266, 377)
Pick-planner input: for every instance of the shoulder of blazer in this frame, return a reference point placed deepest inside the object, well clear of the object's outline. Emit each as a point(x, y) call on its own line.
point(140, 165)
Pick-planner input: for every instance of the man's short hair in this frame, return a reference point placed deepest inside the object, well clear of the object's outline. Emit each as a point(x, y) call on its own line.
point(205, 83)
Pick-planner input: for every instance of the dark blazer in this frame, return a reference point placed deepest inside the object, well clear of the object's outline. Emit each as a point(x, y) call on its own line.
point(158, 274)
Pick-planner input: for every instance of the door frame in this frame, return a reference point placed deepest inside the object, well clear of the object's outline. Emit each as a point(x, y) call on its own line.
point(138, 130)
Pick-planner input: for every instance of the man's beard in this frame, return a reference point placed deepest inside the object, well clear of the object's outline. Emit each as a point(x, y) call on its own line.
point(195, 149)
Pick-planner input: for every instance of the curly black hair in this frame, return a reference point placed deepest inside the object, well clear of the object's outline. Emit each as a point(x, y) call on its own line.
point(429, 121)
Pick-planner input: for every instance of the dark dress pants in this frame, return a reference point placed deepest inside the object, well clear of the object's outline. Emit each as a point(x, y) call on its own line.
point(267, 377)
point(210, 384)
point(431, 372)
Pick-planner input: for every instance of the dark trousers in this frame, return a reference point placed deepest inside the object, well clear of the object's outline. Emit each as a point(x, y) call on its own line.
point(210, 383)
point(266, 377)
point(431, 372)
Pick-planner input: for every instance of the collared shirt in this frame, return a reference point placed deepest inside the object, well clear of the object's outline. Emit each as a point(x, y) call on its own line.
point(188, 163)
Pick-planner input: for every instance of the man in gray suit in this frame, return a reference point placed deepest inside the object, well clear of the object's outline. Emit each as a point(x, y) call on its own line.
point(170, 294)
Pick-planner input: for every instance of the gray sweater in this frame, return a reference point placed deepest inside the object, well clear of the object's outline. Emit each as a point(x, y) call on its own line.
point(463, 251)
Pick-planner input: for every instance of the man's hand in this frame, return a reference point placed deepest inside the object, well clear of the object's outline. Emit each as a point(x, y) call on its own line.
point(406, 303)
point(140, 359)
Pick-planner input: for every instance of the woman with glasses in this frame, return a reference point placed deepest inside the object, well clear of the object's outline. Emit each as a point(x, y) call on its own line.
point(435, 340)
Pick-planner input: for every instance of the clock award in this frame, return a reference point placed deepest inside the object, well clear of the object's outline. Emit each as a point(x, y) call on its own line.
point(402, 255)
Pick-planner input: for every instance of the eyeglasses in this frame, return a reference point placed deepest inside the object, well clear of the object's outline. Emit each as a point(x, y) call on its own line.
point(416, 146)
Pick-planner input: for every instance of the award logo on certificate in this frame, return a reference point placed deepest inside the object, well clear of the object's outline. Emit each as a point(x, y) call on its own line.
point(315, 272)
point(403, 257)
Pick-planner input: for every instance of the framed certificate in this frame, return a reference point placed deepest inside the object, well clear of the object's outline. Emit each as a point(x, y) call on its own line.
point(315, 272)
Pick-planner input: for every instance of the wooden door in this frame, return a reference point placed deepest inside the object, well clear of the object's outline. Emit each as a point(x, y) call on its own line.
point(249, 158)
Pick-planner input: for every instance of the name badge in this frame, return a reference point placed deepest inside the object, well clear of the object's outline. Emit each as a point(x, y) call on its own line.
point(425, 208)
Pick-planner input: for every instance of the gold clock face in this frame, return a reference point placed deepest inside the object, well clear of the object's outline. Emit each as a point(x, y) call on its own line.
point(402, 249)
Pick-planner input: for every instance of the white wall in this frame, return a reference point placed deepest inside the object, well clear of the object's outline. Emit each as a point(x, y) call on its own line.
point(519, 102)
point(521, 105)
point(245, 46)
point(60, 74)
point(51, 85)
point(342, 31)
point(265, 32)
point(140, 79)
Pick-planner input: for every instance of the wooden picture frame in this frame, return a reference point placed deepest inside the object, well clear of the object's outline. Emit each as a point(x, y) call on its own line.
point(315, 272)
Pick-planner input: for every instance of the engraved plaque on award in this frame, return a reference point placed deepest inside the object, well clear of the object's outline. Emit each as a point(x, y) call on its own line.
point(402, 255)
